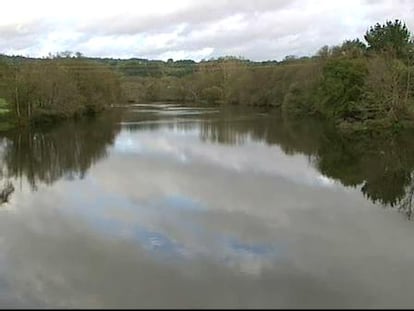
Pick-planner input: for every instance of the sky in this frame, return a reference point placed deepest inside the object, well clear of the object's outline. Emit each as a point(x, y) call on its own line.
point(187, 29)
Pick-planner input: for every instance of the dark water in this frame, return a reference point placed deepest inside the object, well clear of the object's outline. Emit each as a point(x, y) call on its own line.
point(187, 207)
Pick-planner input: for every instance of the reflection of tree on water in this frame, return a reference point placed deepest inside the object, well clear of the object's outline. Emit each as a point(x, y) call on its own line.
point(381, 165)
point(6, 185)
point(406, 205)
point(65, 151)
point(5, 191)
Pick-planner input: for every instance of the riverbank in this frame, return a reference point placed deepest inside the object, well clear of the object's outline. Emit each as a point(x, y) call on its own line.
point(34, 91)
point(357, 86)
point(348, 90)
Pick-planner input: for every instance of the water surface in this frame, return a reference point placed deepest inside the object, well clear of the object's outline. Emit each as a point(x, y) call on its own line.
point(168, 206)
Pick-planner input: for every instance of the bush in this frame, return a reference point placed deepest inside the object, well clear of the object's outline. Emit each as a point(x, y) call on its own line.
point(212, 94)
point(341, 88)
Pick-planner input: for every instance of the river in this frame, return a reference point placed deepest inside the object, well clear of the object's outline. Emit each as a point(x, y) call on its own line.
point(169, 206)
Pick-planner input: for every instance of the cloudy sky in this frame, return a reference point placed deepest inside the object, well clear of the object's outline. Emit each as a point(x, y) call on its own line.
point(181, 29)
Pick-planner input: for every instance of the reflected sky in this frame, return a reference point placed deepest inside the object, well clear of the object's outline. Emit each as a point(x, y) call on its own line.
point(167, 219)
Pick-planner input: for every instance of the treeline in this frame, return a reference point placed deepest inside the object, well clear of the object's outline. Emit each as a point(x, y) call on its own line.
point(39, 90)
point(355, 84)
point(358, 84)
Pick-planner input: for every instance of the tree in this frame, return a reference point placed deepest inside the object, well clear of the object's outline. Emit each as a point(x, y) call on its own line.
point(341, 88)
point(392, 37)
point(290, 58)
point(351, 48)
point(324, 52)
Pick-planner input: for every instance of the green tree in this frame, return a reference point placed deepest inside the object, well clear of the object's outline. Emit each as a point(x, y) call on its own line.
point(350, 48)
point(392, 37)
point(341, 88)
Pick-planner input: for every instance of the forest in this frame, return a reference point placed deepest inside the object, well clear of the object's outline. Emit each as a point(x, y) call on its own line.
point(43, 90)
point(358, 85)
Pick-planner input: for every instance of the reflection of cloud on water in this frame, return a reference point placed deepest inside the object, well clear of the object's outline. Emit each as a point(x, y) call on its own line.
point(250, 258)
point(161, 226)
point(180, 202)
point(326, 181)
point(252, 157)
point(159, 229)
point(173, 180)
point(161, 147)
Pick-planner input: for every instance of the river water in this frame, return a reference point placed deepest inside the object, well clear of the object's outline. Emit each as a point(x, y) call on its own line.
point(170, 206)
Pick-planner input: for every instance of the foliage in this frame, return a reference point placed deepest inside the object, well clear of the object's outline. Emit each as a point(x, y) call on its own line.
point(353, 84)
point(341, 88)
point(392, 37)
point(358, 86)
point(350, 48)
point(212, 94)
point(38, 90)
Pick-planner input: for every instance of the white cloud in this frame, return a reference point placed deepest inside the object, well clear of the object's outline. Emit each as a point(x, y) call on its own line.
point(160, 29)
